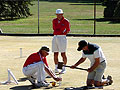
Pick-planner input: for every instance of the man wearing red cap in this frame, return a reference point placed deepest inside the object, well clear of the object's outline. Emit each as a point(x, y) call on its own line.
point(98, 63)
point(61, 27)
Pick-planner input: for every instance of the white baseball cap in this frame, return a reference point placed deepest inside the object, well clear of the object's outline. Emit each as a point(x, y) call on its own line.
point(59, 11)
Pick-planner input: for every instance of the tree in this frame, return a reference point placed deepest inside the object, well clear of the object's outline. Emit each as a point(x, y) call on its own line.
point(116, 14)
point(112, 10)
point(10, 9)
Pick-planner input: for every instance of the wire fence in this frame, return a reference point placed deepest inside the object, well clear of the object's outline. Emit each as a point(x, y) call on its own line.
point(80, 15)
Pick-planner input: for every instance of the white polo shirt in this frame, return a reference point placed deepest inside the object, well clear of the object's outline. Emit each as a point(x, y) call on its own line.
point(95, 52)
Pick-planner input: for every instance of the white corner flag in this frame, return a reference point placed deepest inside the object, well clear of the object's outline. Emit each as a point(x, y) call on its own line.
point(10, 74)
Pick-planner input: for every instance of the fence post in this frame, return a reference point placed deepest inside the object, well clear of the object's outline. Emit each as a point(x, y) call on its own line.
point(94, 17)
point(38, 16)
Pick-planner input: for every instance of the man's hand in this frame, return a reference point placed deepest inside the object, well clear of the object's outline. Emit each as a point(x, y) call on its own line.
point(95, 65)
point(89, 70)
point(58, 79)
point(73, 66)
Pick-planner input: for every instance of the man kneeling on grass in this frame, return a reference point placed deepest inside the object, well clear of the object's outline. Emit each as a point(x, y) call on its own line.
point(98, 63)
point(35, 67)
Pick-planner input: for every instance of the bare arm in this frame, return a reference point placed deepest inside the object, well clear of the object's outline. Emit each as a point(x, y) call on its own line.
point(50, 72)
point(97, 62)
point(79, 62)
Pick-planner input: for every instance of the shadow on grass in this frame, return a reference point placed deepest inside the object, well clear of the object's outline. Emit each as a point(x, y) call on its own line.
point(25, 87)
point(28, 87)
point(22, 79)
point(12, 19)
point(86, 4)
point(83, 88)
point(111, 21)
point(74, 1)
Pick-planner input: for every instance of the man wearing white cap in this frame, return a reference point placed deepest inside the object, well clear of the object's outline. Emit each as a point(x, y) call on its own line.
point(61, 27)
point(36, 65)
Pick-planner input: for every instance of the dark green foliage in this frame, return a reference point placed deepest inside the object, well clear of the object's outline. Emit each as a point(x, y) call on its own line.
point(10, 9)
point(117, 11)
point(112, 9)
point(82, 1)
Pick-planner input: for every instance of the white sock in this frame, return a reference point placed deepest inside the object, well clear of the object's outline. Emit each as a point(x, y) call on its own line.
point(103, 80)
point(63, 68)
point(56, 66)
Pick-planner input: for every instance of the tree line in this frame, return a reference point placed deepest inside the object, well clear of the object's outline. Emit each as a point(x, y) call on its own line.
point(10, 9)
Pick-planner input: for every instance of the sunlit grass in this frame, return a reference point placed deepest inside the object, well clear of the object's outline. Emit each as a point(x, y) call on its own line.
point(80, 16)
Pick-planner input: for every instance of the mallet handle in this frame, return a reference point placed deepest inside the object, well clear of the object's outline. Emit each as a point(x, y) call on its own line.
point(77, 68)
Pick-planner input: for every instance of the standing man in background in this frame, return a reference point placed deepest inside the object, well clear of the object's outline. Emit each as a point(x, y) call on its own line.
point(61, 27)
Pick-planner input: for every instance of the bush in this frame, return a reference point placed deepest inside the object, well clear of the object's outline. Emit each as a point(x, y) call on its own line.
point(10, 9)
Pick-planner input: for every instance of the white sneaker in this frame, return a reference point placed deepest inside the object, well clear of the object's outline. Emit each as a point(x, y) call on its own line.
point(110, 81)
point(42, 84)
point(63, 71)
point(56, 71)
point(32, 80)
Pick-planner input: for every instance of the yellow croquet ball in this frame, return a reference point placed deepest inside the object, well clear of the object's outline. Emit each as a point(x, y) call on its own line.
point(53, 83)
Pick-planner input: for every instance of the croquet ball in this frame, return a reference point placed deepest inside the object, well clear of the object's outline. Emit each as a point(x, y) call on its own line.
point(53, 83)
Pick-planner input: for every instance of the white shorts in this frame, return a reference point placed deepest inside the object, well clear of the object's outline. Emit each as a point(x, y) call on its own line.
point(35, 70)
point(59, 43)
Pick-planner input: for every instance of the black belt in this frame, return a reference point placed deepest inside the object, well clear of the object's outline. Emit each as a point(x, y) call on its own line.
point(103, 61)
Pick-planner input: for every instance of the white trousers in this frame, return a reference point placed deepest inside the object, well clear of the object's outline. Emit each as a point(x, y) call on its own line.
point(36, 70)
point(59, 43)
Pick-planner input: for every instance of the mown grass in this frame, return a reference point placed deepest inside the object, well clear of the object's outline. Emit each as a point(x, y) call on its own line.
point(80, 16)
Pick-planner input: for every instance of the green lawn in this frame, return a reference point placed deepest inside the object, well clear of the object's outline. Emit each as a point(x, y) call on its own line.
point(80, 17)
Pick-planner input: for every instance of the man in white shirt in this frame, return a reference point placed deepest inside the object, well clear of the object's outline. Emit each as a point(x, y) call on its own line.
point(98, 63)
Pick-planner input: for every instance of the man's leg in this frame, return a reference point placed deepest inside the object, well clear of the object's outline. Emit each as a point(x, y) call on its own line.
point(64, 62)
point(56, 61)
point(55, 49)
point(41, 75)
point(99, 81)
point(106, 81)
point(90, 82)
point(90, 78)
point(31, 72)
point(64, 58)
